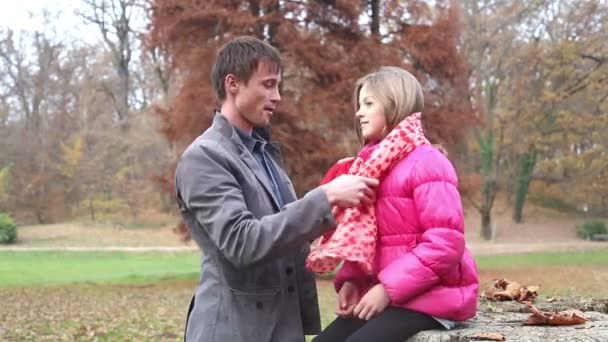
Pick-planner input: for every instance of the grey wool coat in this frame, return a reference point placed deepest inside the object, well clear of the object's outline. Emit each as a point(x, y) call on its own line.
point(253, 285)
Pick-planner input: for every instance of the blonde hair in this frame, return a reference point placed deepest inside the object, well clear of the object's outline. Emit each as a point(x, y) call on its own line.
point(398, 91)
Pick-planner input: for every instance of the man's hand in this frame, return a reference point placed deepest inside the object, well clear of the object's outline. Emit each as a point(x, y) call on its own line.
point(348, 297)
point(350, 191)
point(373, 303)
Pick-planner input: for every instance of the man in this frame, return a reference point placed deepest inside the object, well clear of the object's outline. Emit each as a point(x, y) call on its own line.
point(241, 209)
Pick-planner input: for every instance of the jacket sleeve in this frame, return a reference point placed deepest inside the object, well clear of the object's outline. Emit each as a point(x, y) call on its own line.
point(350, 271)
point(207, 188)
point(441, 243)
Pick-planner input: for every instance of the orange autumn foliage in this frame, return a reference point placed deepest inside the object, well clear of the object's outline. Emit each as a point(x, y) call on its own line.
point(326, 47)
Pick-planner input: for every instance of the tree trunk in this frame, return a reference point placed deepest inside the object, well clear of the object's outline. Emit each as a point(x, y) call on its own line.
point(123, 95)
point(488, 190)
point(39, 216)
point(167, 201)
point(526, 166)
point(489, 193)
point(273, 27)
point(91, 209)
point(486, 225)
point(375, 22)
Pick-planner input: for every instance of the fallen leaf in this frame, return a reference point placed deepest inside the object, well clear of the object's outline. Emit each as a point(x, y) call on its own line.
point(504, 289)
point(566, 317)
point(488, 337)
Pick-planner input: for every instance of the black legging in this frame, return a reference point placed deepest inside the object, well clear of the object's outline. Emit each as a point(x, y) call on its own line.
point(392, 325)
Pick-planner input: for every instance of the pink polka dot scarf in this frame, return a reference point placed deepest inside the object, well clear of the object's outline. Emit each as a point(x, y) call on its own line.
point(354, 238)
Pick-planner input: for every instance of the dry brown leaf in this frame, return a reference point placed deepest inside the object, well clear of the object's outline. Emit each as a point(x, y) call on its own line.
point(504, 289)
point(566, 317)
point(528, 293)
point(488, 337)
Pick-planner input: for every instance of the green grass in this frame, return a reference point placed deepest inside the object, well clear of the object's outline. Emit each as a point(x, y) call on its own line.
point(591, 258)
point(57, 268)
point(32, 268)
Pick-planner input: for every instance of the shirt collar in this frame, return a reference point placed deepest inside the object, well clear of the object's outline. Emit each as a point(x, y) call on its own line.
point(250, 141)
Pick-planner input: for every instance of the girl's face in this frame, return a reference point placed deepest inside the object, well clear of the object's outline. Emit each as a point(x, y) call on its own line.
point(371, 116)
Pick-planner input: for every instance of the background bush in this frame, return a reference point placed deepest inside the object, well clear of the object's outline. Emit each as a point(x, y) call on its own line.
point(590, 227)
point(8, 229)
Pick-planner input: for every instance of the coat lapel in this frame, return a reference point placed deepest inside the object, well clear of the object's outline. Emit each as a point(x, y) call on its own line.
point(258, 172)
point(225, 129)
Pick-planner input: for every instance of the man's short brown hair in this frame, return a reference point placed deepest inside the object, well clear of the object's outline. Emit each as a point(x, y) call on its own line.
point(241, 57)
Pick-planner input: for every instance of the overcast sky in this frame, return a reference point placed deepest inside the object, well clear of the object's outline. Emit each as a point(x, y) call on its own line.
point(19, 15)
point(27, 14)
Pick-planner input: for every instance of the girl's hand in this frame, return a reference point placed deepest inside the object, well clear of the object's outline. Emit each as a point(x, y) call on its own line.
point(373, 303)
point(348, 297)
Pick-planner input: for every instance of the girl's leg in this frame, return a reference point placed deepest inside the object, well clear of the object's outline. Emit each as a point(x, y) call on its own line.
point(339, 329)
point(393, 325)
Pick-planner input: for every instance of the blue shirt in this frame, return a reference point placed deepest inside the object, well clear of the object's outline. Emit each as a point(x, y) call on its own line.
point(257, 146)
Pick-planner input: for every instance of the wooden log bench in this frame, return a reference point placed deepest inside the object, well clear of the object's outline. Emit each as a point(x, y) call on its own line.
point(507, 319)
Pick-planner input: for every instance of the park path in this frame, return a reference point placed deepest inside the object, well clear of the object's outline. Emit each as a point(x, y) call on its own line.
point(477, 248)
point(490, 248)
point(99, 249)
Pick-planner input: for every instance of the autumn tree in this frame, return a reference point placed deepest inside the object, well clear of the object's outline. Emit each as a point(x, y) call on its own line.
point(326, 45)
point(26, 82)
point(558, 104)
point(492, 29)
point(530, 61)
point(64, 154)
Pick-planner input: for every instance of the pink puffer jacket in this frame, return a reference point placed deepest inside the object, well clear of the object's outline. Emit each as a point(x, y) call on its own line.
point(421, 258)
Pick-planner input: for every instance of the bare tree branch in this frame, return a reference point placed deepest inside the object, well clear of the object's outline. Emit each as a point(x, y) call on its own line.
point(113, 18)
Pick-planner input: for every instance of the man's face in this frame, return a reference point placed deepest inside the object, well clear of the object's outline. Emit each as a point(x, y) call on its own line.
point(257, 99)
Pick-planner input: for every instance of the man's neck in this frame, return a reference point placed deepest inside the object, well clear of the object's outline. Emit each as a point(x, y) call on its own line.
point(235, 118)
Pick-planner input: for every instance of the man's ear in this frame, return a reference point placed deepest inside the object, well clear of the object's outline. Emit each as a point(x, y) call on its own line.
point(231, 84)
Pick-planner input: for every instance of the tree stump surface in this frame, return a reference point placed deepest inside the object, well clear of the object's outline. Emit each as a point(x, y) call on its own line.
point(507, 318)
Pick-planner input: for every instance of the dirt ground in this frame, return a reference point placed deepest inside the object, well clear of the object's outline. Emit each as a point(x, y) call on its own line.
point(543, 230)
point(89, 312)
point(539, 225)
point(97, 235)
point(156, 312)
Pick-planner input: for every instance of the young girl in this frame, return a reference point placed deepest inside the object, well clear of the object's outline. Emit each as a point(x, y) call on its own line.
point(406, 266)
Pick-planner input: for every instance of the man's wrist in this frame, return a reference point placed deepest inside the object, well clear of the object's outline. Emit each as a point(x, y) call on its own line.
point(328, 193)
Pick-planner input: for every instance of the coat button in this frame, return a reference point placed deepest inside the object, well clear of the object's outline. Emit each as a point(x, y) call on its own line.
point(259, 305)
point(290, 289)
point(289, 270)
